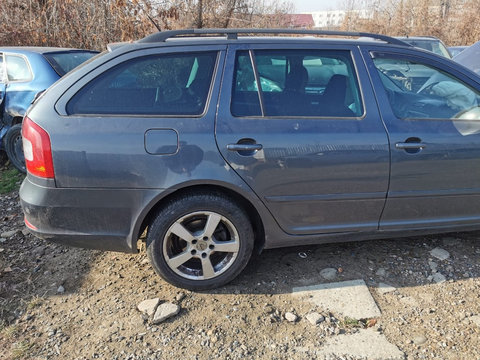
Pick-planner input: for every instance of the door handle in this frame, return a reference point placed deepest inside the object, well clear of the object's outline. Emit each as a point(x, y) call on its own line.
point(244, 147)
point(410, 145)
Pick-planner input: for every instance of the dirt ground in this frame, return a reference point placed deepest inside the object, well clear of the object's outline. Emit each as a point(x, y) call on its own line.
point(58, 302)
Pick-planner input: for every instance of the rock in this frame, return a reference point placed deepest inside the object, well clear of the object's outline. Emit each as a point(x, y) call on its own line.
point(148, 306)
point(419, 339)
point(385, 288)
point(476, 320)
point(165, 311)
point(381, 272)
point(291, 317)
point(8, 234)
point(25, 232)
point(145, 261)
point(440, 254)
point(2, 240)
point(180, 296)
point(328, 273)
point(7, 269)
point(39, 251)
point(60, 290)
point(433, 266)
point(315, 318)
point(438, 278)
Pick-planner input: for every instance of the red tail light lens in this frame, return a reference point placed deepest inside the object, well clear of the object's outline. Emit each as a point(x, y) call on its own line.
point(37, 150)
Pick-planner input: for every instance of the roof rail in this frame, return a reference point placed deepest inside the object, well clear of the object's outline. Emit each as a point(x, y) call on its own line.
point(232, 34)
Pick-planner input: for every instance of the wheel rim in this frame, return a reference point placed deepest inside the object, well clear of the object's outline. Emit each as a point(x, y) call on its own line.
point(201, 245)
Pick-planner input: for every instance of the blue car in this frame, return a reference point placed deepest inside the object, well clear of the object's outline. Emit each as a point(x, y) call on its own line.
point(24, 72)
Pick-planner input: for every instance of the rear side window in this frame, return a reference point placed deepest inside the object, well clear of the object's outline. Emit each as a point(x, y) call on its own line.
point(63, 62)
point(421, 91)
point(173, 84)
point(311, 83)
point(17, 68)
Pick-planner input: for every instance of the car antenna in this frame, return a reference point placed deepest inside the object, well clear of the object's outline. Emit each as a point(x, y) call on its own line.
point(154, 23)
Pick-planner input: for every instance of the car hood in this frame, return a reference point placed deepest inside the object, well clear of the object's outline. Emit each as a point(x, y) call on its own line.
point(470, 57)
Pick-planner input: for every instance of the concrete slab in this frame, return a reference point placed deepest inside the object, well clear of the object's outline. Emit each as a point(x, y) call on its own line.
point(365, 344)
point(347, 298)
point(385, 288)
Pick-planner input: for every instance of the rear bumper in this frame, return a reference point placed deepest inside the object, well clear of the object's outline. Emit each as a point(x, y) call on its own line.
point(103, 219)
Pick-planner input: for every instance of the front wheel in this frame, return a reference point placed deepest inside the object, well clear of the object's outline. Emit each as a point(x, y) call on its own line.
point(200, 241)
point(14, 147)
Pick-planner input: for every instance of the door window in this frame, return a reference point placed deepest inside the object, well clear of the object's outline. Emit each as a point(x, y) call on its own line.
point(173, 84)
point(420, 91)
point(2, 72)
point(308, 83)
point(17, 68)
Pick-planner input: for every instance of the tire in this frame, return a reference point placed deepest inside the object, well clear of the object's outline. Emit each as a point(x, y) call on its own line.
point(14, 148)
point(3, 158)
point(184, 239)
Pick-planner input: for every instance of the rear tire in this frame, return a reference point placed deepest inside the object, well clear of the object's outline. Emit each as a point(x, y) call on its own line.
point(200, 241)
point(14, 147)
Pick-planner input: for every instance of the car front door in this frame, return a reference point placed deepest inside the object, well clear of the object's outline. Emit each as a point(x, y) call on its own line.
point(432, 114)
point(300, 125)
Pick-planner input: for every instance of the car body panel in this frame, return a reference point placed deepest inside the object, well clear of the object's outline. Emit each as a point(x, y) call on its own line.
point(371, 189)
point(305, 173)
point(437, 185)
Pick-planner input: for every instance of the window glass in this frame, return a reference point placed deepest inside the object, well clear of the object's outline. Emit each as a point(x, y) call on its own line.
point(245, 97)
point(2, 79)
point(313, 83)
point(17, 68)
point(419, 91)
point(175, 84)
point(63, 62)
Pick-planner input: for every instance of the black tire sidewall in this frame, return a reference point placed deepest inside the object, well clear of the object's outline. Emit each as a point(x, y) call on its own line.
point(182, 206)
point(10, 136)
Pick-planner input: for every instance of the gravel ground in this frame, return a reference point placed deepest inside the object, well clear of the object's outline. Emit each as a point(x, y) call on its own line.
point(66, 303)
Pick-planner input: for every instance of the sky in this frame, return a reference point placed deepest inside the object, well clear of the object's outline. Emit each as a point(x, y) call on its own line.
point(317, 5)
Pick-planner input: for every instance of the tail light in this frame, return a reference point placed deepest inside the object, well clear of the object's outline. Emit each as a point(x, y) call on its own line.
point(37, 150)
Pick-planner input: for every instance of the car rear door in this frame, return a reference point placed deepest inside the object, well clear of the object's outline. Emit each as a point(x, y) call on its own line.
point(310, 143)
point(431, 110)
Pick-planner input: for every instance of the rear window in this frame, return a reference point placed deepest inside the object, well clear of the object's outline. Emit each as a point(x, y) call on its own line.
point(63, 62)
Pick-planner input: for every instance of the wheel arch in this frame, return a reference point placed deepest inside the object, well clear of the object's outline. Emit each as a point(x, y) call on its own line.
point(251, 211)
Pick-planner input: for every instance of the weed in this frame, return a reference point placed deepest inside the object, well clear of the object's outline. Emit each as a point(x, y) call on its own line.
point(10, 331)
point(10, 179)
point(21, 350)
point(34, 302)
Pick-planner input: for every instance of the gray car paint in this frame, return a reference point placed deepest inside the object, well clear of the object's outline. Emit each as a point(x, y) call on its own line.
point(107, 184)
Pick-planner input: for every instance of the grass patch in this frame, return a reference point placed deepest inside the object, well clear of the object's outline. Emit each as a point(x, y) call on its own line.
point(353, 323)
point(21, 350)
point(10, 180)
point(34, 302)
point(11, 331)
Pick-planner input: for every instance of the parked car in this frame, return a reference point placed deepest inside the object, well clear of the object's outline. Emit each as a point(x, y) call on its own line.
point(455, 50)
point(470, 57)
point(219, 142)
point(24, 72)
point(429, 43)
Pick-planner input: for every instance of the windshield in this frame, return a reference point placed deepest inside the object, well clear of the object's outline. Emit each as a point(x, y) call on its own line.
point(63, 62)
point(433, 45)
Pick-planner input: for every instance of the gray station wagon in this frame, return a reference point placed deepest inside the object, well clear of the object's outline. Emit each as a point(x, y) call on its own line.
point(218, 142)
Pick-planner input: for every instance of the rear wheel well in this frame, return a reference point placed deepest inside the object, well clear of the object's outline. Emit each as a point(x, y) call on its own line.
point(251, 211)
point(17, 120)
